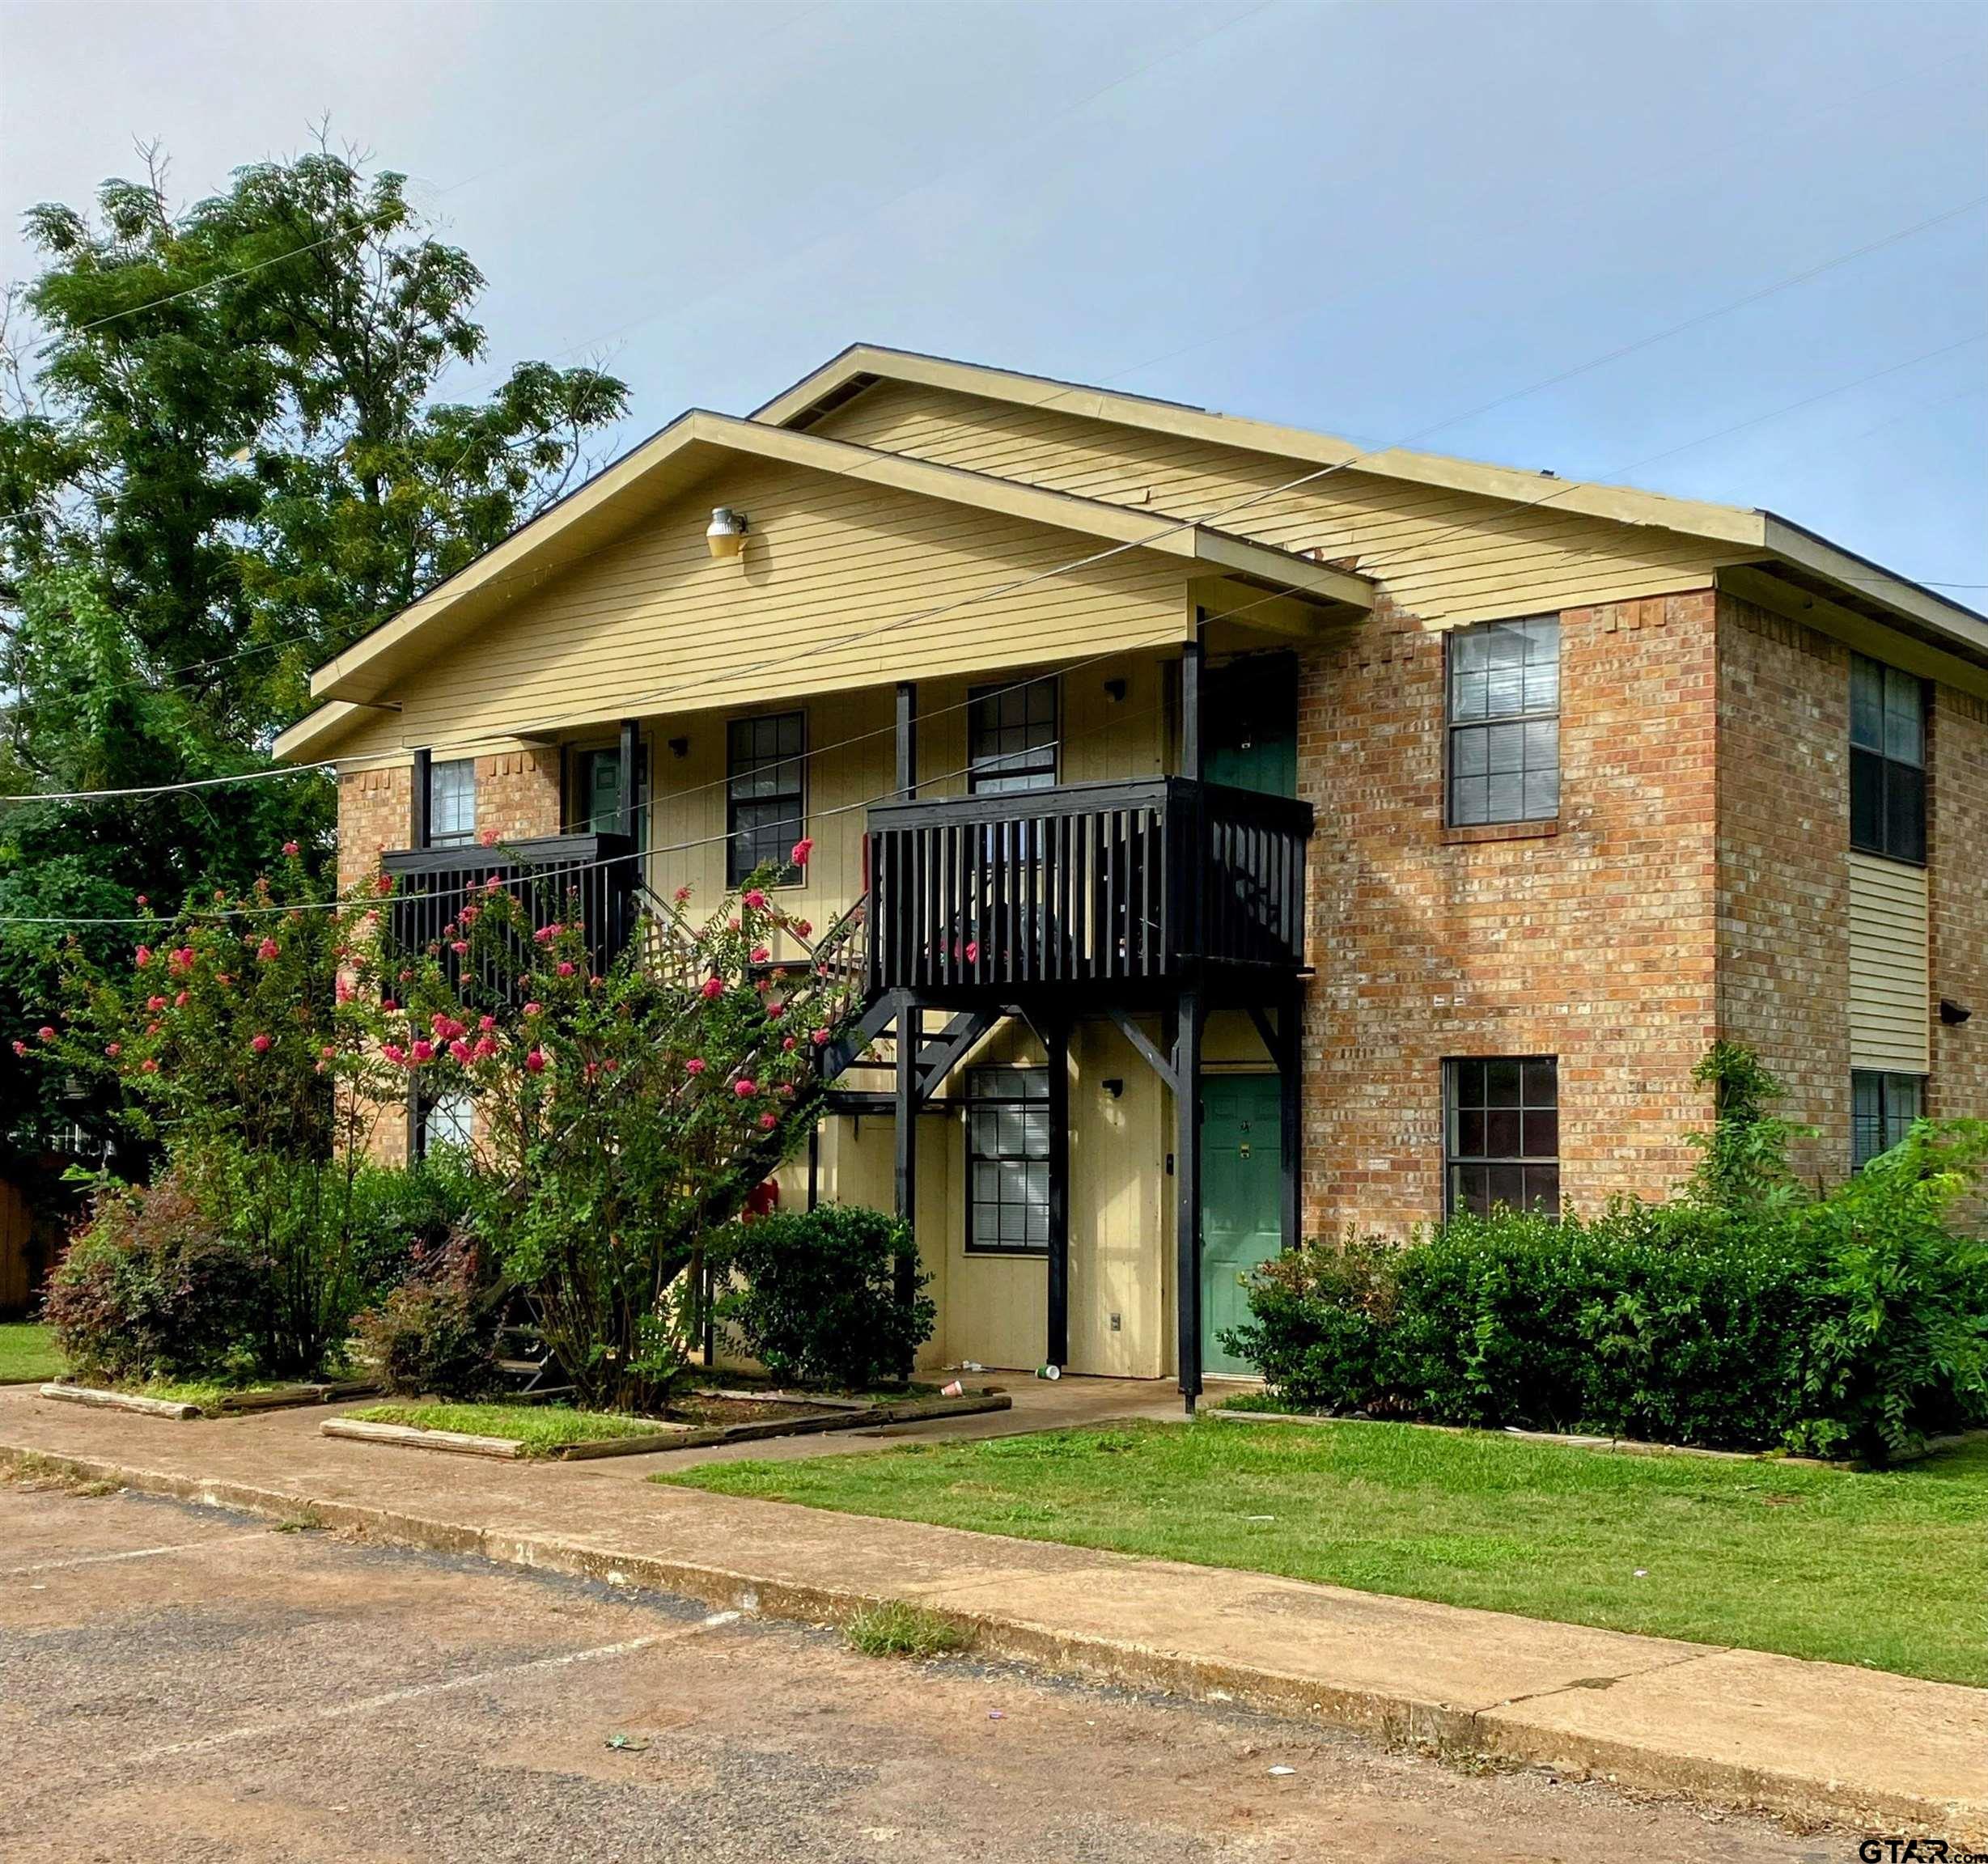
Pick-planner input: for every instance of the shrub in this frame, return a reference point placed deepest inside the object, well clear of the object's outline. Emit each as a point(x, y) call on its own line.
point(402, 1219)
point(832, 1297)
point(1744, 1313)
point(436, 1331)
point(151, 1289)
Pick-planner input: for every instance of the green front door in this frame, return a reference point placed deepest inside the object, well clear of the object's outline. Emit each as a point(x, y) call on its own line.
point(1241, 1165)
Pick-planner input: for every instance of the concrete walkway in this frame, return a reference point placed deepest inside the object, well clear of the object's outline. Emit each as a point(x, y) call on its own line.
point(1812, 1740)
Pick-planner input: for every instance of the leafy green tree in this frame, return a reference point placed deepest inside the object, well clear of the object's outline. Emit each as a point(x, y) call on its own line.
point(225, 452)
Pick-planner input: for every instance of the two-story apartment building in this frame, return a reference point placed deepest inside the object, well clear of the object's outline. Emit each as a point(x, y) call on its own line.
point(1252, 836)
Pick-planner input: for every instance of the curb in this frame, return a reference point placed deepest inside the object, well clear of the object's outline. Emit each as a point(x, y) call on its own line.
point(1447, 1732)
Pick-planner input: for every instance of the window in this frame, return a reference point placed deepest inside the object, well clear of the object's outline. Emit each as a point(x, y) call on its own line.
point(445, 1120)
point(1010, 738)
point(765, 813)
point(1007, 1121)
point(452, 803)
point(1886, 760)
point(1504, 1135)
point(1882, 1109)
point(599, 774)
point(1504, 723)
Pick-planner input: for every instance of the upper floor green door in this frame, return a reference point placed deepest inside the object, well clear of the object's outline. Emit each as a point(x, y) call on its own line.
point(1250, 730)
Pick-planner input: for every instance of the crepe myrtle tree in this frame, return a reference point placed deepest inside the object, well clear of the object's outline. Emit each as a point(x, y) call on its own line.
point(622, 1114)
point(244, 1034)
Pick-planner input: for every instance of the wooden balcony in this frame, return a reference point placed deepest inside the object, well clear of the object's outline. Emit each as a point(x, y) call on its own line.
point(1141, 887)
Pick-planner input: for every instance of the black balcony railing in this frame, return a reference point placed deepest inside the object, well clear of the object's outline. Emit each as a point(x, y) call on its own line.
point(591, 878)
point(1095, 883)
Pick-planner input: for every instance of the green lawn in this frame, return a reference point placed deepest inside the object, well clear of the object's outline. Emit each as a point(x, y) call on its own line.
point(1889, 1570)
point(540, 1428)
point(27, 1354)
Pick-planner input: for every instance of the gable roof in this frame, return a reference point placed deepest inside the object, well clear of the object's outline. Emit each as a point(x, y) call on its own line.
point(1818, 565)
point(674, 460)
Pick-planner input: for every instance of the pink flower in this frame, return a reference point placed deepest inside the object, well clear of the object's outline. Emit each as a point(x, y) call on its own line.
point(327, 1051)
point(154, 1004)
point(20, 1047)
point(113, 1049)
point(486, 1022)
point(290, 847)
point(745, 1088)
point(394, 1053)
point(535, 1062)
point(179, 1000)
point(534, 1009)
point(180, 958)
point(459, 947)
point(804, 927)
point(786, 1089)
point(819, 1037)
point(787, 1046)
point(260, 1044)
point(266, 950)
point(770, 1121)
point(714, 987)
point(461, 1051)
point(566, 967)
point(760, 954)
point(484, 1048)
point(546, 933)
point(423, 1050)
point(388, 1005)
point(151, 1028)
point(973, 952)
point(143, 900)
point(753, 898)
point(148, 1067)
point(802, 850)
point(343, 991)
point(45, 1033)
point(144, 956)
point(696, 1064)
point(384, 885)
point(683, 893)
point(487, 837)
point(224, 977)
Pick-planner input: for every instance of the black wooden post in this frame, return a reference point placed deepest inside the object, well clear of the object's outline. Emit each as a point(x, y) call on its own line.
point(909, 1024)
point(1290, 1112)
point(631, 749)
point(1190, 705)
point(907, 740)
point(1187, 1192)
point(1058, 1043)
point(417, 819)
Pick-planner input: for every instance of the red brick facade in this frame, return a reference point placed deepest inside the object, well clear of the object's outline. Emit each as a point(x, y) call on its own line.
point(1593, 941)
point(1959, 903)
point(1784, 877)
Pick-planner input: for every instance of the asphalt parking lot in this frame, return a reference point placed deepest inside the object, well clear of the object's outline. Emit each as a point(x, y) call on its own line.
point(186, 1683)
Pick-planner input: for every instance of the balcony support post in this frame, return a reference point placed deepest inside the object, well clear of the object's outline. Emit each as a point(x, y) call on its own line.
point(1056, 1041)
point(908, 1022)
point(1190, 704)
point(907, 740)
point(1187, 1192)
point(1290, 1117)
point(420, 789)
point(624, 787)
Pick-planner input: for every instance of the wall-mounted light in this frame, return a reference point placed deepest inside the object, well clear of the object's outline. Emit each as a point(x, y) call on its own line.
point(1115, 691)
point(1114, 1087)
point(680, 747)
point(1953, 1014)
point(725, 533)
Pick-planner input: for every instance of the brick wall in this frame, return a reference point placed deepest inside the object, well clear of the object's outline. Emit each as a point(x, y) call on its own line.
point(1595, 942)
point(1959, 903)
point(1784, 874)
point(375, 812)
point(517, 794)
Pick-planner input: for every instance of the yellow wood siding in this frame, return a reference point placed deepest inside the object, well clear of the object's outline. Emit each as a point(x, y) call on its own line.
point(1890, 986)
point(1448, 556)
point(839, 582)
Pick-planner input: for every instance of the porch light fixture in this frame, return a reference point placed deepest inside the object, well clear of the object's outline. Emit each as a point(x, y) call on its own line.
point(680, 747)
point(1115, 691)
point(1115, 1086)
point(726, 535)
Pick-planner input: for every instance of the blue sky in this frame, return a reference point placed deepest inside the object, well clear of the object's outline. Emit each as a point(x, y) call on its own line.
point(1375, 220)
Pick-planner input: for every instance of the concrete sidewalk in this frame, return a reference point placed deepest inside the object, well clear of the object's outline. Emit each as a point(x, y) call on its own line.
point(1814, 1741)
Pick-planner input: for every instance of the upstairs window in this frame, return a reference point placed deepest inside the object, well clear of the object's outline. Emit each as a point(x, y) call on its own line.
point(1010, 738)
point(600, 783)
point(766, 807)
point(1504, 1143)
point(452, 803)
point(1882, 1108)
point(444, 1121)
point(1887, 761)
point(1504, 723)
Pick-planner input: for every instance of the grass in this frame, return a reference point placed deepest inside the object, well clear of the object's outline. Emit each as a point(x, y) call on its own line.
point(27, 1354)
point(541, 1429)
point(36, 1473)
point(1886, 1570)
point(897, 1630)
